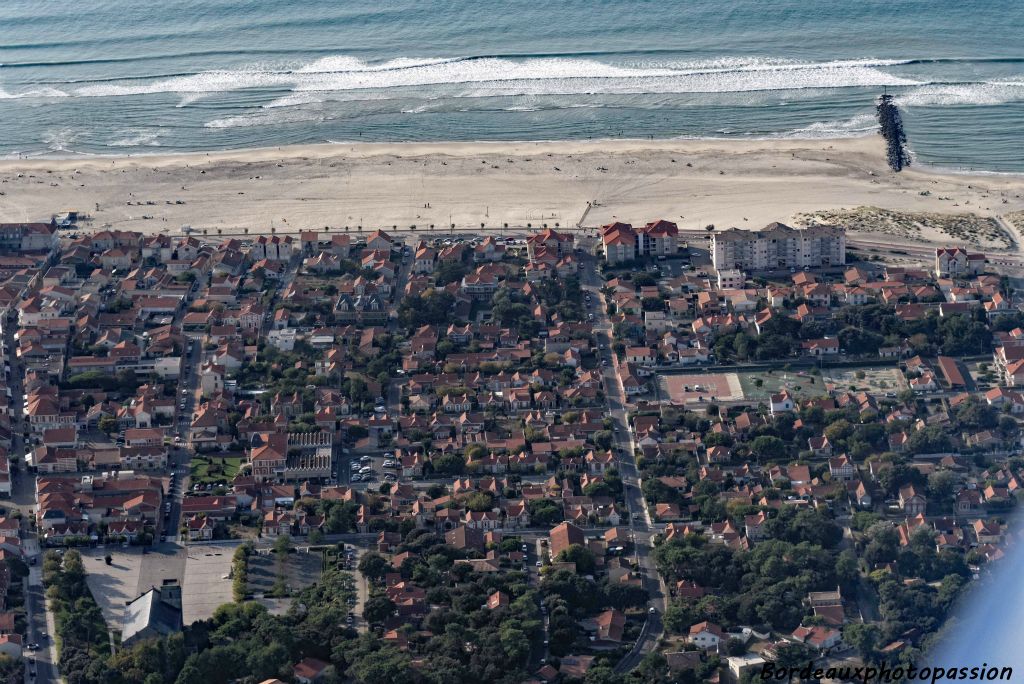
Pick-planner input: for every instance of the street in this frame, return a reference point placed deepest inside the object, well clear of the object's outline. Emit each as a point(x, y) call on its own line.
point(639, 516)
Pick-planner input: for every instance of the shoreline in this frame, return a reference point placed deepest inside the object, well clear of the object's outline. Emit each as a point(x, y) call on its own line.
point(694, 182)
point(331, 145)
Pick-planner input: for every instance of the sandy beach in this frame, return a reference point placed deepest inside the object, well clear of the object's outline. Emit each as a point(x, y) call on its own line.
point(692, 182)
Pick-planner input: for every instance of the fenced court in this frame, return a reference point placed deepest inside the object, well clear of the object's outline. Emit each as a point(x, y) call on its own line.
point(758, 386)
point(701, 388)
point(876, 381)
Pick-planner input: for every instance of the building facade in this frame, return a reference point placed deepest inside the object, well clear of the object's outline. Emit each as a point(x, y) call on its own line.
point(779, 246)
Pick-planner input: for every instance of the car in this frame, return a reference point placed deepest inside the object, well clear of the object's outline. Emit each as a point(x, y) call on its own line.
point(652, 610)
point(617, 430)
point(366, 459)
point(604, 362)
point(390, 477)
point(539, 563)
point(365, 469)
point(356, 478)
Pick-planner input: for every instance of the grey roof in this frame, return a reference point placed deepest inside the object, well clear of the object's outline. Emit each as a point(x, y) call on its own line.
point(151, 612)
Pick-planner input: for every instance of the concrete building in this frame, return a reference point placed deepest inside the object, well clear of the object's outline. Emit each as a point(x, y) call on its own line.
point(156, 613)
point(778, 246)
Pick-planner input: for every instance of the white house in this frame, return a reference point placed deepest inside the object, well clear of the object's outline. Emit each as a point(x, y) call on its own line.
point(781, 402)
point(706, 635)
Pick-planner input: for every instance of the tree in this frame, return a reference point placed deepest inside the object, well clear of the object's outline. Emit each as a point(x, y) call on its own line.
point(107, 424)
point(449, 464)
point(582, 557)
point(544, 512)
point(768, 448)
point(864, 637)
point(480, 501)
point(374, 566)
point(378, 608)
point(941, 484)
point(604, 439)
point(846, 568)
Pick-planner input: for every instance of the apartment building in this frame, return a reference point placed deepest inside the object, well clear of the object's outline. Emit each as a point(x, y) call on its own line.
point(622, 242)
point(779, 246)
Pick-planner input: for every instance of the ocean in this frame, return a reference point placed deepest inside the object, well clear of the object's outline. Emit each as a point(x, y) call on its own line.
point(138, 76)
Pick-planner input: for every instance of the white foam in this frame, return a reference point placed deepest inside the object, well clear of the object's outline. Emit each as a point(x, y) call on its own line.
point(488, 76)
point(854, 127)
point(265, 118)
point(59, 139)
point(34, 93)
point(138, 137)
point(944, 95)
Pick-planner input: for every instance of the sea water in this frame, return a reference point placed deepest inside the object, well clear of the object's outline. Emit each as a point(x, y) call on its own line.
point(138, 76)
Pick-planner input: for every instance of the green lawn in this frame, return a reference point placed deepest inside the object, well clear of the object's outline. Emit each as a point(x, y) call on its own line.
point(207, 470)
point(799, 383)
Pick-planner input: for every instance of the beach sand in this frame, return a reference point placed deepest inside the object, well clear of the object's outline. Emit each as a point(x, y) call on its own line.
point(692, 182)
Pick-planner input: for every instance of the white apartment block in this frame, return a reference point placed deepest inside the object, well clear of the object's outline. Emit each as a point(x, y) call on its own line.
point(778, 246)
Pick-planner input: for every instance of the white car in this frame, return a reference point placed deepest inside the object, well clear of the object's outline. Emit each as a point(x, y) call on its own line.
point(365, 470)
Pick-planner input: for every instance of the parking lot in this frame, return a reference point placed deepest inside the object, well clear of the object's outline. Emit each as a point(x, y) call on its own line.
point(300, 571)
point(373, 468)
point(113, 585)
point(207, 584)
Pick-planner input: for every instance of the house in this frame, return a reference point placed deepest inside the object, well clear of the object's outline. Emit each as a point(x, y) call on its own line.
point(818, 637)
point(11, 645)
point(781, 402)
point(498, 599)
point(609, 626)
point(644, 356)
point(842, 468)
point(706, 635)
point(826, 346)
point(912, 502)
point(563, 536)
point(955, 261)
point(309, 670)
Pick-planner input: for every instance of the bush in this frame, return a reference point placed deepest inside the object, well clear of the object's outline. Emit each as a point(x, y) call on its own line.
point(240, 571)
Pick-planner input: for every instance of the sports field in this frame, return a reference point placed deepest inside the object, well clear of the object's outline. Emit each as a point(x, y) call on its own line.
point(687, 389)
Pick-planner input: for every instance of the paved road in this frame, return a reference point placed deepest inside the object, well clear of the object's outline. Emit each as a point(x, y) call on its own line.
point(40, 622)
point(639, 516)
